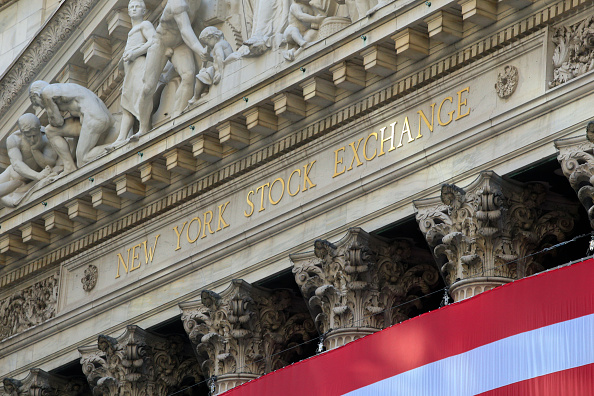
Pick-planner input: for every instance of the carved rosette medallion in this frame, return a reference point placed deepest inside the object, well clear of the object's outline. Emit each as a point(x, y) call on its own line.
point(353, 286)
point(507, 82)
point(39, 382)
point(576, 156)
point(28, 307)
point(481, 235)
point(138, 362)
point(240, 333)
point(574, 51)
point(90, 279)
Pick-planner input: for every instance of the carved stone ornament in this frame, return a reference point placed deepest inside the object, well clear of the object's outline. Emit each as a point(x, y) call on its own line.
point(574, 51)
point(42, 48)
point(28, 307)
point(138, 363)
point(576, 156)
point(353, 285)
point(90, 279)
point(481, 235)
point(507, 82)
point(41, 383)
point(240, 333)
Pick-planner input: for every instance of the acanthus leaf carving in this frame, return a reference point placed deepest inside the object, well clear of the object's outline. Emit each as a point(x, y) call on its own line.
point(360, 283)
point(489, 228)
point(574, 51)
point(137, 363)
point(28, 307)
point(42, 383)
point(245, 331)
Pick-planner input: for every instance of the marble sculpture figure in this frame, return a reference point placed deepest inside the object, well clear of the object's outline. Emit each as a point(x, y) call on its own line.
point(220, 49)
point(90, 121)
point(299, 31)
point(175, 39)
point(134, 58)
point(32, 161)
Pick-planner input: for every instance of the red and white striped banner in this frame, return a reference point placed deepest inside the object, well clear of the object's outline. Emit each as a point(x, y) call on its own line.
point(531, 337)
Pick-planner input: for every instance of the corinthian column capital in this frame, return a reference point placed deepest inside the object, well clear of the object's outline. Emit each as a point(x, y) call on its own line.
point(357, 285)
point(245, 331)
point(482, 234)
point(41, 383)
point(138, 362)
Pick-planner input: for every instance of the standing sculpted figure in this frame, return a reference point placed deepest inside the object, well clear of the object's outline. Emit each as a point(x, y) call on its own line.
point(90, 122)
point(175, 39)
point(32, 160)
point(139, 41)
point(211, 73)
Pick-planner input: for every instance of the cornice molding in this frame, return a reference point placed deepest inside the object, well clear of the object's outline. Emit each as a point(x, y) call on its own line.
point(350, 113)
point(51, 38)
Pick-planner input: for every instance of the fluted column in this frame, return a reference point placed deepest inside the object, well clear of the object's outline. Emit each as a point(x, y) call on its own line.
point(481, 235)
point(576, 156)
point(41, 383)
point(138, 363)
point(245, 331)
point(355, 286)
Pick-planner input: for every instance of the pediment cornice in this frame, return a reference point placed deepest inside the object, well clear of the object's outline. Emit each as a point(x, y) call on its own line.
point(42, 48)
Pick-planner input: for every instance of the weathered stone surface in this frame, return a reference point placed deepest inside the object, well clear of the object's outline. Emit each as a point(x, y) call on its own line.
point(485, 232)
point(138, 362)
point(243, 332)
point(28, 307)
point(356, 286)
point(42, 383)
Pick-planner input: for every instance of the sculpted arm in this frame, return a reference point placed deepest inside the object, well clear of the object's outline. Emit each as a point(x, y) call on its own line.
point(303, 16)
point(185, 27)
point(16, 160)
point(53, 112)
point(47, 157)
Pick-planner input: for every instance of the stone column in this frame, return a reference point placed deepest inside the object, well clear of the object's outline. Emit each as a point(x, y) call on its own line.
point(481, 235)
point(353, 286)
point(576, 156)
point(138, 363)
point(41, 383)
point(245, 332)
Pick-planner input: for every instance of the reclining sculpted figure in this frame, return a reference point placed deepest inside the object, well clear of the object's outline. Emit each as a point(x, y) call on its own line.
point(32, 161)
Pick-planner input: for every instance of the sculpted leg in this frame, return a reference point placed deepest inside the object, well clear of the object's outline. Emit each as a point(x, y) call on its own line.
point(183, 61)
point(8, 183)
point(93, 130)
point(56, 135)
point(125, 127)
point(155, 61)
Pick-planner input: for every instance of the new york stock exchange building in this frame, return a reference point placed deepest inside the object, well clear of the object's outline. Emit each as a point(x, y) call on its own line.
point(292, 197)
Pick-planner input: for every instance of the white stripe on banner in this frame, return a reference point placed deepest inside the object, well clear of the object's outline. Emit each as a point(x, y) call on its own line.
point(553, 348)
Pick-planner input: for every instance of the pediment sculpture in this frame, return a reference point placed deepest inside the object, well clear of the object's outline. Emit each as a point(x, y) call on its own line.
point(81, 128)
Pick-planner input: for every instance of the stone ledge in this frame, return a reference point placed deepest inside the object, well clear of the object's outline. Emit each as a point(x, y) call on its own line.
point(292, 142)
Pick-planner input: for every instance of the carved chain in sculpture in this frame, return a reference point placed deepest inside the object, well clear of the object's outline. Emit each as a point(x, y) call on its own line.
point(240, 333)
point(355, 287)
point(28, 307)
point(41, 383)
point(137, 363)
point(481, 235)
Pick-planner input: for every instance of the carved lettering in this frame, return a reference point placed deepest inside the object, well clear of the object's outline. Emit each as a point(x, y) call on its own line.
point(249, 202)
point(178, 233)
point(338, 161)
point(355, 153)
point(405, 129)
point(306, 179)
point(149, 253)
point(221, 213)
point(462, 103)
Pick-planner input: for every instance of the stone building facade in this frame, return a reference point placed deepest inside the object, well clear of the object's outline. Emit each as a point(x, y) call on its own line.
point(195, 193)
